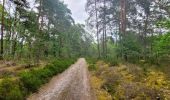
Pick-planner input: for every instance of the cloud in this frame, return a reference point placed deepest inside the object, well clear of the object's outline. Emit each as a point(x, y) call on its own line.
point(77, 8)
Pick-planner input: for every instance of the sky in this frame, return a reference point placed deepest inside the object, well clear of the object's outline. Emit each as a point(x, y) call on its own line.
point(77, 8)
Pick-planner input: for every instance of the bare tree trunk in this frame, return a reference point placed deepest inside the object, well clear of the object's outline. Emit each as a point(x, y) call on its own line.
point(104, 28)
point(10, 33)
point(103, 41)
point(60, 46)
point(13, 35)
point(123, 24)
point(97, 28)
point(105, 34)
point(14, 46)
point(123, 17)
point(145, 35)
point(8, 36)
point(37, 57)
point(2, 30)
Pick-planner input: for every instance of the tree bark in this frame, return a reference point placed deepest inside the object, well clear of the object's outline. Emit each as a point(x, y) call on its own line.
point(123, 16)
point(145, 35)
point(103, 41)
point(105, 34)
point(123, 25)
point(97, 29)
point(2, 30)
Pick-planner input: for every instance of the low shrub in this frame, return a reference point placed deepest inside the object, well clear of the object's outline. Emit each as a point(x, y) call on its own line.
point(112, 61)
point(127, 82)
point(91, 60)
point(92, 67)
point(32, 80)
point(11, 90)
point(92, 64)
point(101, 94)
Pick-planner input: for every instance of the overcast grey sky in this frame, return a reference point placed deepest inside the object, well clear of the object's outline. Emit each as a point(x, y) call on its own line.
point(77, 8)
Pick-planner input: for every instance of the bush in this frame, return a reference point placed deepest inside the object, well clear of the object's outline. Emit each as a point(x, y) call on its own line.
point(32, 80)
point(91, 64)
point(91, 60)
point(92, 67)
point(112, 61)
point(11, 90)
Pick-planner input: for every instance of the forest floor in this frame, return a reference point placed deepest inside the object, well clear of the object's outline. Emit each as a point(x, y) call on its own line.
point(73, 84)
point(128, 82)
point(11, 69)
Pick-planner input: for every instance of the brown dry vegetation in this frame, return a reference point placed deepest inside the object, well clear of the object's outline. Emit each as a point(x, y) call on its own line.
point(11, 68)
point(127, 82)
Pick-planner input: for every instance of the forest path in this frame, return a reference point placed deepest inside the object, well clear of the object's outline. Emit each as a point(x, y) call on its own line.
point(73, 84)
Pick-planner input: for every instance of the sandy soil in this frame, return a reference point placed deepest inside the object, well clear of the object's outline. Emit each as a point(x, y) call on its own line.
point(73, 84)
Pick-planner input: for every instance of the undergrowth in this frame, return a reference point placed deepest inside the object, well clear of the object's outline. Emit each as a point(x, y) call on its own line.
point(30, 81)
point(91, 63)
point(127, 82)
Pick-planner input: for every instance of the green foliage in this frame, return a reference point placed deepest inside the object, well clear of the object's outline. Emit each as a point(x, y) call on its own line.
point(112, 61)
point(164, 23)
point(91, 63)
point(11, 90)
point(130, 48)
point(91, 60)
point(162, 45)
point(92, 67)
point(32, 80)
point(28, 36)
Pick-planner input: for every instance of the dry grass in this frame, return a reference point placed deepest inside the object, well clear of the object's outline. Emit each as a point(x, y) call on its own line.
point(100, 94)
point(11, 69)
point(127, 82)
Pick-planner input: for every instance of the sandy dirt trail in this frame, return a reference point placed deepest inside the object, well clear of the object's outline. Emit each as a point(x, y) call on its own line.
point(73, 84)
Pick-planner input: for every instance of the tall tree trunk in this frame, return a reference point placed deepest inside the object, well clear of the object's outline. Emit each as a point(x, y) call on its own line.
point(13, 35)
point(2, 30)
point(14, 45)
point(123, 24)
point(60, 46)
point(123, 17)
point(38, 52)
point(97, 29)
point(103, 41)
point(10, 33)
point(145, 35)
point(104, 25)
point(21, 47)
point(105, 34)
